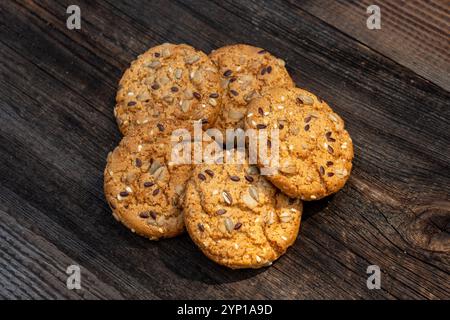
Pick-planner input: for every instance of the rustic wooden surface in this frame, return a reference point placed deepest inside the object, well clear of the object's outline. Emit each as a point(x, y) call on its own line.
point(391, 86)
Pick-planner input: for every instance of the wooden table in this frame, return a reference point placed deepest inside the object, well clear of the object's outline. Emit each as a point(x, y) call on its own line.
point(391, 86)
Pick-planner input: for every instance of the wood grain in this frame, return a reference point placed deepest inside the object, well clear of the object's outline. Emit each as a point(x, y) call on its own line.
point(32, 268)
point(57, 90)
point(413, 33)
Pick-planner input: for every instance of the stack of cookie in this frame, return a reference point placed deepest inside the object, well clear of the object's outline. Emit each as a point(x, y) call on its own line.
point(236, 216)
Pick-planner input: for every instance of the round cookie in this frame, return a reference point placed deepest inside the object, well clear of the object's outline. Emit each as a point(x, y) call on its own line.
point(245, 72)
point(168, 82)
point(315, 151)
point(143, 187)
point(237, 218)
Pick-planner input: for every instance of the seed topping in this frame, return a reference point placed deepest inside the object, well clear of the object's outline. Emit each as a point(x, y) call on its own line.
point(178, 73)
point(144, 215)
point(227, 73)
point(322, 170)
point(197, 95)
point(249, 178)
point(192, 59)
point(221, 212)
point(229, 225)
point(253, 191)
point(328, 136)
point(303, 99)
point(227, 197)
point(212, 102)
point(209, 172)
point(155, 64)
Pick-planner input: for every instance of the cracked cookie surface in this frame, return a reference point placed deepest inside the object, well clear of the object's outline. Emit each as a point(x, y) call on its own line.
point(142, 185)
point(245, 72)
point(315, 150)
point(237, 218)
point(171, 83)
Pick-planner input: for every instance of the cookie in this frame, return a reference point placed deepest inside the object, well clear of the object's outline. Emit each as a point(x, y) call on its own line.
point(315, 150)
point(142, 185)
point(237, 218)
point(171, 83)
point(245, 72)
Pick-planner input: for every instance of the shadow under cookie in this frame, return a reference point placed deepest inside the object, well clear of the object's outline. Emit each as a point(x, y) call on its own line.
point(182, 257)
point(311, 208)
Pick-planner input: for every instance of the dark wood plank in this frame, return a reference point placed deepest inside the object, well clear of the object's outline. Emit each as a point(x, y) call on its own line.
point(413, 33)
point(33, 268)
point(57, 90)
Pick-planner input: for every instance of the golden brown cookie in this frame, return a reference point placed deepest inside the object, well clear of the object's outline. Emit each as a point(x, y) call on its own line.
point(142, 186)
point(168, 82)
point(245, 72)
point(315, 151)
point(237, 218)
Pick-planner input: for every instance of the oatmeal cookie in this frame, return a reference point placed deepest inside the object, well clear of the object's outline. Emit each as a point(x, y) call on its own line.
point(143, 186)
point(315, 150)
point(168, 82)
point(237, 218)
point(245, 72)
